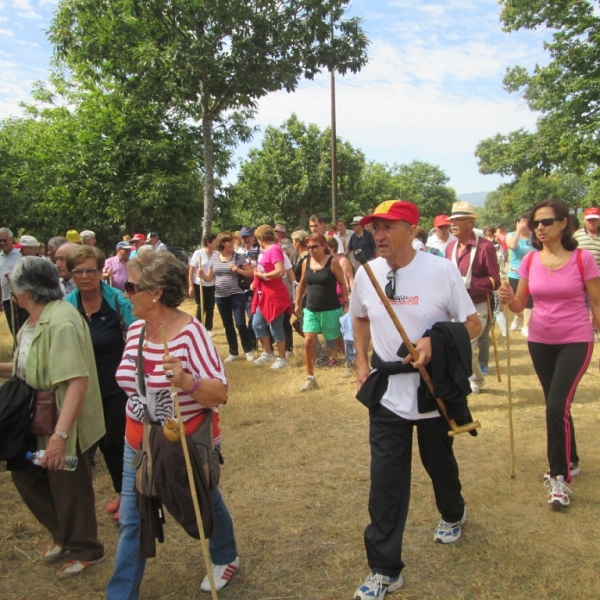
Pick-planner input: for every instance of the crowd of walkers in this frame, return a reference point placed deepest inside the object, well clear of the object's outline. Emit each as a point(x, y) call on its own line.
point(107, 339)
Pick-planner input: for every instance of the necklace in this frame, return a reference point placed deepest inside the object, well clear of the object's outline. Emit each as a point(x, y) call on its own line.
point(94, 308)
point(549, 267)
point(150, 338)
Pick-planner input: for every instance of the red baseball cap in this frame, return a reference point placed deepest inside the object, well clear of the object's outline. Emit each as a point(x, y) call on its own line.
point(441, 220)
point(394, 210)
point(138, 236)
point(591, 213)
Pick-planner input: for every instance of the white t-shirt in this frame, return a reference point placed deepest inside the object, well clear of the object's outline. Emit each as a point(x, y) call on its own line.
point(434, 242)
point(201, 260)
point(428, 290)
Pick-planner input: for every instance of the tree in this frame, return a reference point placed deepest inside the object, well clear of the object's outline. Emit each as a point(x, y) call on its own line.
point(205, 58)
point(96, 161)
point(565, 91)
point(289, 177)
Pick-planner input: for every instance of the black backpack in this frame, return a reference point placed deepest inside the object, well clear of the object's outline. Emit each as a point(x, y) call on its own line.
point(16, 411)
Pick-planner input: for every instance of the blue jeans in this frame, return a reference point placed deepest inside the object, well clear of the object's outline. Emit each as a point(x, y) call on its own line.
point(129, 565)
point(261, 326)
point(234, 308)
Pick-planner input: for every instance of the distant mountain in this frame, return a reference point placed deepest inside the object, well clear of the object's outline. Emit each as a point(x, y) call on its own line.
point(475, 198)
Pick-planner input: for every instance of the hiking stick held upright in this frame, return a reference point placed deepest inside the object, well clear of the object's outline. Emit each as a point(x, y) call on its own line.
point(190, 474)
point(454, 428)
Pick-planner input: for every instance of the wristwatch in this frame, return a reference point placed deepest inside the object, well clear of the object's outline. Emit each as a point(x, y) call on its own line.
point(61, 434)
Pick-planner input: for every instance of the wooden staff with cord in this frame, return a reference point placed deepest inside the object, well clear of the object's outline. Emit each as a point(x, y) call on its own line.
point(188, 464)
point(511, 432)
point(14, 320)
point(494, 339)
point(202, 317)
point(454, 428)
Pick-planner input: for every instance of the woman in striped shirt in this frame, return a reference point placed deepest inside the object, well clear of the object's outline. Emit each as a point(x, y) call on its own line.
point(156, 286)
point(225, 269)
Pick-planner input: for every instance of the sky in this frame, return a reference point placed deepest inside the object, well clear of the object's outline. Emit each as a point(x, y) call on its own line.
point(431, 91)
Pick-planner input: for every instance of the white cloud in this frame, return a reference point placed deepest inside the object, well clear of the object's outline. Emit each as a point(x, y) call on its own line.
point(7, 32)
point(25, 10)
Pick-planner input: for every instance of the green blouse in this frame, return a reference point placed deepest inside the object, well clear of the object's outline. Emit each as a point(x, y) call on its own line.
point(61, 349)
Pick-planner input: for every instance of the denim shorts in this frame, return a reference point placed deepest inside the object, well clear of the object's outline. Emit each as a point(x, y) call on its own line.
point(261, 327)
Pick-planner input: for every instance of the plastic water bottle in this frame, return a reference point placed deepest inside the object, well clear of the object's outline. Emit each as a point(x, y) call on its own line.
point(35, 458)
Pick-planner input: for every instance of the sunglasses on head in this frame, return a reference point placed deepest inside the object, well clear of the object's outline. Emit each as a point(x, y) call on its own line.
point(545, 222)
point(390, 288)
point(131, 288)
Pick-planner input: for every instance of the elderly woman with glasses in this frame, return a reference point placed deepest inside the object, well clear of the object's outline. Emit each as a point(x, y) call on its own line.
point(157, 285)
point(320, 276)
point(55, 353)
point(108, 315)
point(561, 278)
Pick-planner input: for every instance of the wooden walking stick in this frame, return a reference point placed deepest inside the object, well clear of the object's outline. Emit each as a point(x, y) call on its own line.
point(511, 432)
point(454, 428)
point(494, 340)
point(190, 474)
point(202, 317)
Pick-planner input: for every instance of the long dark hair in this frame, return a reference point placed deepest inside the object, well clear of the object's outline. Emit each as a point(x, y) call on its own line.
point(561, 212)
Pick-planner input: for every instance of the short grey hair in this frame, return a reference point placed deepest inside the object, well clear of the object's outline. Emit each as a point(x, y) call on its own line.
point(160, 270)
point(7, 231)
point(299, 235)
point(37, 277)
point(86, 234)
point(54, 243)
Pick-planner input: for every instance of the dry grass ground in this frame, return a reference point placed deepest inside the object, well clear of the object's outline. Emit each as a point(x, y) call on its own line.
point(296, 480)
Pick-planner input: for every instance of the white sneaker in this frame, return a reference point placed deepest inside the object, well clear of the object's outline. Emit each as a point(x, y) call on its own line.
point(311, 384)
point(264, 359)
point(376, 586)
point(448, 533)
point(232, 357)
point(289, 353)
point(558, 494)
point(222, 575)
point(575, 470)
point(525, 332)
point(250, 356)
point(280, 363)
point(516, 324)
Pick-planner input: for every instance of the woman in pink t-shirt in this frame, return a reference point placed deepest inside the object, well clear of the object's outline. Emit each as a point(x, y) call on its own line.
point(561, 278)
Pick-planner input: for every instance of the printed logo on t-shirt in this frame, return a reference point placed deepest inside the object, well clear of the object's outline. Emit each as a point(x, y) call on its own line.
point(403, 300)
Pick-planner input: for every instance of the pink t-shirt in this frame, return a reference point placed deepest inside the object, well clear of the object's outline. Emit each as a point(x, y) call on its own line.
point(560, 313)
point(270, 256)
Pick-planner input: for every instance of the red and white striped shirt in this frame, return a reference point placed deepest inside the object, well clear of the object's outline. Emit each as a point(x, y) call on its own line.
point(198, 356)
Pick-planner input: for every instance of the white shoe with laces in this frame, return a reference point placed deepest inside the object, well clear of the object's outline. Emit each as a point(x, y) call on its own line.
point(575, 470)
point(250, 356)
point(264, 359)
point(232, 357)
point(280, 363)
point(222, 575)
point(376, 586)
point(516, 324)
point(558, 494)
point(448, 533)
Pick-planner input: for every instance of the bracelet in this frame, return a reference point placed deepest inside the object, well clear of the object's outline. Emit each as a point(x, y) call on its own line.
point(194, 387)
point(61, 434)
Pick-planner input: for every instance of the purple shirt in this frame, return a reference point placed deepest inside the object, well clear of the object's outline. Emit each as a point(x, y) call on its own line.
point(119, 272)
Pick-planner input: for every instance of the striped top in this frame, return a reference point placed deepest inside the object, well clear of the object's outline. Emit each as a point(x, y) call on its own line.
point(198, 356)
point(226, 281)
point(588, 242)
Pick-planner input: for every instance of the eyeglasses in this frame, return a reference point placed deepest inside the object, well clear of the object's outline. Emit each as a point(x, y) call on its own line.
point(390, 288)
point(313, 246)
point(3, 240)
point(545, 222)
point(131, 288)
point(461, 219)
point(82, 272)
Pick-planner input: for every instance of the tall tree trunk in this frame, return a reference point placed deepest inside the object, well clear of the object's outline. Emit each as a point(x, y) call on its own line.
point(209, 174)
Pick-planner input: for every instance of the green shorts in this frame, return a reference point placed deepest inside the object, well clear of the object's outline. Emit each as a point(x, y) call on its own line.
point(326, 322)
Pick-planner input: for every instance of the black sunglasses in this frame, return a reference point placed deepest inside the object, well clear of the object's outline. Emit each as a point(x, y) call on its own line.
point(545, 222)
point(390, 288)
point(131, 288)
point(313, 246)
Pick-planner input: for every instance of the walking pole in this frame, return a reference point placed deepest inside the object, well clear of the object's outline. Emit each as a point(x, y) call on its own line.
point(509, 389)
point(14, 321)
point(202, 317)
point(455, 429)
point(494, 340)
point(188, 464)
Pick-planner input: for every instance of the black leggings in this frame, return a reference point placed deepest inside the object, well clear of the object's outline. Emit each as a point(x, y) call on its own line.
point(208, 293)
point(559, 368)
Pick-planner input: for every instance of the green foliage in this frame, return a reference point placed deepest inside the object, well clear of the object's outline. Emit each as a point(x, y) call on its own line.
point(98, 162)
point(565, 91)
point(289, 178)
point(205, 58)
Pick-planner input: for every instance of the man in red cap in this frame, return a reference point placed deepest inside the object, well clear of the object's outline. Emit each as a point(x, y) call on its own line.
point(587, 237)
point(137, 241)
point(441, 236)
point(395, 405)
